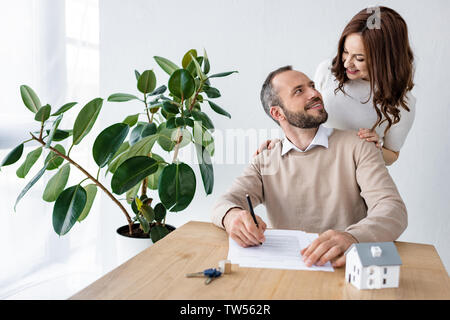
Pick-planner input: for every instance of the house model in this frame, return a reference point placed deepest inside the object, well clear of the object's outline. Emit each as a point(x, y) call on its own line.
point(373, 265)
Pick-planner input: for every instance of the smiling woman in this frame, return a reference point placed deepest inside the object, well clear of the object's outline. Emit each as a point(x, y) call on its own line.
point(374, 63)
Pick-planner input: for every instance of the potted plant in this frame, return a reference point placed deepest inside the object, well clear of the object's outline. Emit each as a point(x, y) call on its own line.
point(171, 119)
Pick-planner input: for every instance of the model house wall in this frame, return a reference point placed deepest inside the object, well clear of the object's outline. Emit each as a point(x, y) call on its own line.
point(370, 276)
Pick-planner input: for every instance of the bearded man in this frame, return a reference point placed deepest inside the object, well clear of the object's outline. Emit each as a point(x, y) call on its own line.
point(317, 179)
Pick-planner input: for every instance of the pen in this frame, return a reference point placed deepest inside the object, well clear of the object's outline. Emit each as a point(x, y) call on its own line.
point(251, 210)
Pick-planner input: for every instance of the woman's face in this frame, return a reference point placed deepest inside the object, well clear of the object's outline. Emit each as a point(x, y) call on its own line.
point(354, 57)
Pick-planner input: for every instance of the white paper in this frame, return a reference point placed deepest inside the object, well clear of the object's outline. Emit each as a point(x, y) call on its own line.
point(281, 250)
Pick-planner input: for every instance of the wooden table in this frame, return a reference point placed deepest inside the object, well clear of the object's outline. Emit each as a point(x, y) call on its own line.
point(159, 273)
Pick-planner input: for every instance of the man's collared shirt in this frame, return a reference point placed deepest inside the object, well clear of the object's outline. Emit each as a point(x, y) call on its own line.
point(320, 139)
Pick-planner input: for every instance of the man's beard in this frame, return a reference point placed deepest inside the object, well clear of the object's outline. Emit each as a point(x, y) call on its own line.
point(305, 121)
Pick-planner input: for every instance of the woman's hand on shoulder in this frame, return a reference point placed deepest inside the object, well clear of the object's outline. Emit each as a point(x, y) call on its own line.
point(268, 144)
point(371, 136)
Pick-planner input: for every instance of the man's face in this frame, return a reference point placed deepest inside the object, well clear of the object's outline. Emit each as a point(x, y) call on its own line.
point(302, 103)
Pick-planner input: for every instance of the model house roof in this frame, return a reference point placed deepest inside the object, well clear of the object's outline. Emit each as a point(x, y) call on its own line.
point(377, 253)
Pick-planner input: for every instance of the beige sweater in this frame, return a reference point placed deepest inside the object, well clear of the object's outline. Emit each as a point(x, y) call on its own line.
point(344, 187)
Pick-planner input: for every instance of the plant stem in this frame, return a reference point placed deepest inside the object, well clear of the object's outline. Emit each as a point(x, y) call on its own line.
point(42, 130)
point(70, 149)
point(146, 108)
point(196, 94)
point(144, 187)
point(83, 180)
point(130, 222)
point(177, 146)
point(27, 140)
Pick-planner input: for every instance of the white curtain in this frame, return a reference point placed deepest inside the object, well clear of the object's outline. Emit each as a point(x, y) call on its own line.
point(52, 46)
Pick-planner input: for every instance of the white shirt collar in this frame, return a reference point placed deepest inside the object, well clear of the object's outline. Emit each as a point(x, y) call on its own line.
point(320, 139)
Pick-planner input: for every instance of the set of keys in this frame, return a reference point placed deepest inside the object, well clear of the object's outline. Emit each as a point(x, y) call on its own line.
point(212, 273)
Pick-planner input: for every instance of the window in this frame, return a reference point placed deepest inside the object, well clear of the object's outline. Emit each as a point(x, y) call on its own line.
point(384, 280)
point(385, 270)
point(52, 47)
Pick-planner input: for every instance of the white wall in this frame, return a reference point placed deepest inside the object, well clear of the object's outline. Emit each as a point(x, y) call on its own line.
point(255, 37)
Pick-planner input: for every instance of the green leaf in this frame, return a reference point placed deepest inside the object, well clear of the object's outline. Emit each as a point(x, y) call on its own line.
point(206, 65)
point(168, 66)
point(53, 131)
point(206, 168)
point(122, 97)
point(30, 98)
point(132, 193)
point(170, 107)
point(64, 108)
point(30, 184)
point(211, 92)
point(13, 156)
point(43, 113)
point(176, 187)
point(168, 137)
point(142, 130)
point(181, 84)
point(158, 232)
point(29, 162)
point(160, 212)
point(154, 178)
point(131, 120)
point(144, 225)
point(53, 160)
point(123, 148)
point(91, 192)
point(193, 69)
point(137, 74)
point(187, 58)
point(131, 172)
point(203, 118)
point(56, 184)
point(148, 213)
point(165, 137)
point(203, 136)
point(108, 142)
point(141, 148)
point(68, 208)
point(86, 119)
point(198, 68)
point(60, 135)
point(147, 82)
point(218, 109)
point(159, 90)
point(222, 74)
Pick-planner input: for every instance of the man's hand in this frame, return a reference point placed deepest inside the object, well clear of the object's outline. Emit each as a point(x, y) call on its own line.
point(241, 228)
point(329, 246)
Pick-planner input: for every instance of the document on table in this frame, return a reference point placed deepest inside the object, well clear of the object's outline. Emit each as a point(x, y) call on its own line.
point(281, 250)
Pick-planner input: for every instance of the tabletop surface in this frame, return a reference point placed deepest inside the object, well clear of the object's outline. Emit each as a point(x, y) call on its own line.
point(159, 273)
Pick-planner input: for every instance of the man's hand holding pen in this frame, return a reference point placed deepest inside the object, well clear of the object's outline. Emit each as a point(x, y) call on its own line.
point(241, 228)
